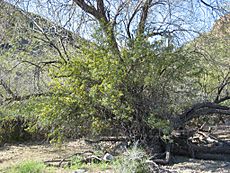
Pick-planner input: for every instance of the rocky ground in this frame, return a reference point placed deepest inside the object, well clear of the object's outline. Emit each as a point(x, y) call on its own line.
point(11, 155)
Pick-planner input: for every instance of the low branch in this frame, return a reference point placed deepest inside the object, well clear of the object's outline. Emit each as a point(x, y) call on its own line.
point(66, 159)
point(222, 99)
point(201, 109)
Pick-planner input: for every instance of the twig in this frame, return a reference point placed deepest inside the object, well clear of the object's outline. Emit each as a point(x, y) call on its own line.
point(67, 159)
point(107, 139)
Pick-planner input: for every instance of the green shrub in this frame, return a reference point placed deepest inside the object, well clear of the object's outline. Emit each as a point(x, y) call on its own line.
point(18, 122)
point(95, 92)
point(28, 167)
point(13, 129)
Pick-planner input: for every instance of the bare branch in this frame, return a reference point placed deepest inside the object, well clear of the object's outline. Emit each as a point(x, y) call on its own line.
point(137, 8)
point(52, 44)
point(119, 9)
point(144, 15)
point(98, 13)
point(7, 88)
point(208, 5)
point(225, 82)
point(48, 40)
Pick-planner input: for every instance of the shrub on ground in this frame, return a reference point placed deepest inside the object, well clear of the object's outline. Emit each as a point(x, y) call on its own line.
point(28, 167)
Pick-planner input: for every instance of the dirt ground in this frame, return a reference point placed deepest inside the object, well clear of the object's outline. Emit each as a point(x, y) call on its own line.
point(11, 155)
point(187, 165)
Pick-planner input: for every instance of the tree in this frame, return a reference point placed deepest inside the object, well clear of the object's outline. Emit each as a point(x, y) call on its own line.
point(135, 73)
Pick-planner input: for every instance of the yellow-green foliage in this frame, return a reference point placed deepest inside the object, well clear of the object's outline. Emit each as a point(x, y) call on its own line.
point(97, 91)
point(161, 124)
point(92, 82)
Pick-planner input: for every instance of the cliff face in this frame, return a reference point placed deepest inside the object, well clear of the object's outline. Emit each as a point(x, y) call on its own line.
point(222, 26)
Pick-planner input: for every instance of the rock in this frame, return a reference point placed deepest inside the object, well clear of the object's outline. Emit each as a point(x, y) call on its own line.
point(108, 157)
point(24, 41)
point(80, 171)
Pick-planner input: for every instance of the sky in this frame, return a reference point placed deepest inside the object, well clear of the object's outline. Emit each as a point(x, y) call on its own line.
point(187, 14)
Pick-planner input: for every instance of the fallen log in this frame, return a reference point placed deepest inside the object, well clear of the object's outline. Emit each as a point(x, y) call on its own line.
point(200, 145)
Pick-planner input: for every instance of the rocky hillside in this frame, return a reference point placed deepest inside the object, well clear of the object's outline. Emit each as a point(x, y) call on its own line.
point(222, 26)
point(29, 44)
point(214, 45)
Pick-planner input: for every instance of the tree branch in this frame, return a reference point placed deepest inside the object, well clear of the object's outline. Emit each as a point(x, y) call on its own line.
point(98, 13)
point(131, 19)
point(208, 5)
point(200, 109)
point(119, 9)
point(144, 15)
point(224, 83)
point(101, 9)
point(7, 88)
point(106, 25)
point(220, 100)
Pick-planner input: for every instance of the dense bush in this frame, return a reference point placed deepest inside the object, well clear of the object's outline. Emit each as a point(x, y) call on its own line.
point(18, 126)
point(13, 129)
point(99, 92)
